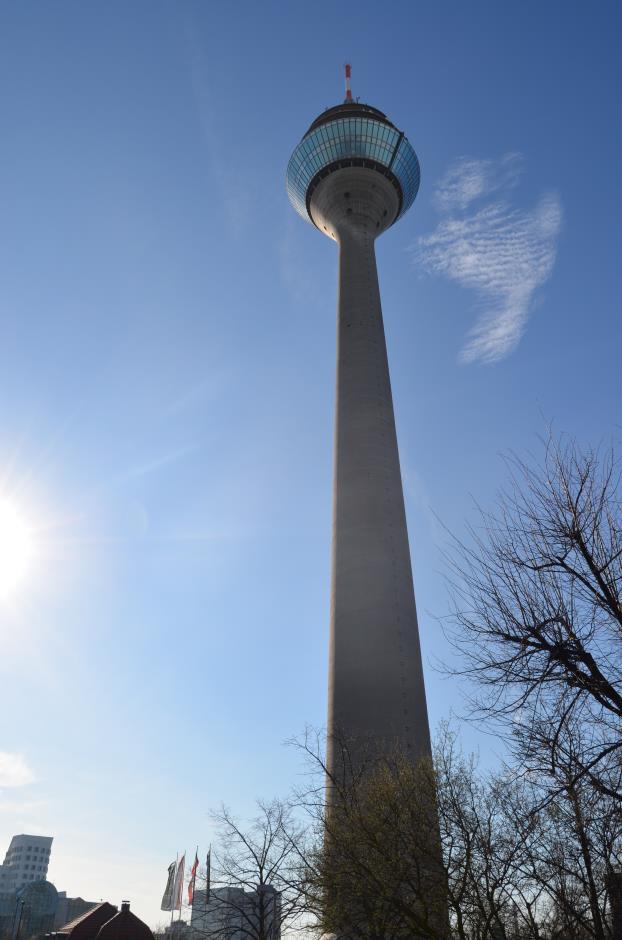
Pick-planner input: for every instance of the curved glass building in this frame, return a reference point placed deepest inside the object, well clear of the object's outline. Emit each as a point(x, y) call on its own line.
point(352, 134)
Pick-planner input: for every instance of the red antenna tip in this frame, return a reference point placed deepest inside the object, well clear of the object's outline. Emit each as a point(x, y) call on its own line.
point(348, 91)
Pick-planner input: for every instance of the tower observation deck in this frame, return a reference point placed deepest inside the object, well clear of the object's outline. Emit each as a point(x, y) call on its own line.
point(353, 175)
point(352, 135)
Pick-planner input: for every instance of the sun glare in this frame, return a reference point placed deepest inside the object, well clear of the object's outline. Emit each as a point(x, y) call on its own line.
point(16, 548)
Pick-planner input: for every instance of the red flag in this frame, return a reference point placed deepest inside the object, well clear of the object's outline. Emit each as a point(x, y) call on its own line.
point(193, 875)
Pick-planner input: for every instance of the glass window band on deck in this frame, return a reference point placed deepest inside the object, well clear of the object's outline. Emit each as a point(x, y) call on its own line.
point(359, 138)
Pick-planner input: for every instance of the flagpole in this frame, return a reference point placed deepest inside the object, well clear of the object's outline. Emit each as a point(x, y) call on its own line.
point(181, 894)
point(194, 880)
point(208, 874)
point(192, 883)
point(174, 879)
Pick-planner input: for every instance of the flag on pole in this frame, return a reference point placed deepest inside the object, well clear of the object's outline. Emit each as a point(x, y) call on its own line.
point(208, 871)
point(193, 877)
point(178, 889)
point(167, 897)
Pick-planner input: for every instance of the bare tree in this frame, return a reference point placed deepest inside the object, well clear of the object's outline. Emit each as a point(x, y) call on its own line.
point(538, 614)
point(372, 862)
point(254, 892)
point(519, 866)
point(573, 846)
point(480, 851)
point(372, 867)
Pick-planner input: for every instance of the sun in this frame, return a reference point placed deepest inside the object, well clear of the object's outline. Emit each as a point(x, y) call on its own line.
point(16, 548)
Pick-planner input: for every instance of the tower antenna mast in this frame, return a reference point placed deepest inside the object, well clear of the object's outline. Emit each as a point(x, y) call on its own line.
point(348, 90)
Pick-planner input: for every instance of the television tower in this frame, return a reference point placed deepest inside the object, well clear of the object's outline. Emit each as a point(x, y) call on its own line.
point(353, 175)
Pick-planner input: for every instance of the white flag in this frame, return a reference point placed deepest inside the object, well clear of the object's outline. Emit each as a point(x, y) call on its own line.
point(179, 884)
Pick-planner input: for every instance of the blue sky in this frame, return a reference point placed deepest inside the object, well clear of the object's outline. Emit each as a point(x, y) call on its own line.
point(167, 371)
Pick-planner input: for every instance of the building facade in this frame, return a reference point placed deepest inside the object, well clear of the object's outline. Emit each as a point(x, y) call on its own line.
point(235, 914)
point(28, 912)
point(27, 860)
point(70, 908)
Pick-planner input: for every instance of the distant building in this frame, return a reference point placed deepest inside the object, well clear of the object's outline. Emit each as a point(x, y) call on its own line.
point(104, 922)
point(177, 930)
point(70, 908)
point(125, 926)
point(614, 884)
point(28, 912)
point(234, 914)
point(38, 900)
point(25, 867)
point(26, 861)
point(88, 924)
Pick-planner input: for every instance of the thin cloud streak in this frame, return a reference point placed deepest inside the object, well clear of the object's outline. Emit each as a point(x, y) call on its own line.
point(156, 463)
point(237, 200)
point(502, 253)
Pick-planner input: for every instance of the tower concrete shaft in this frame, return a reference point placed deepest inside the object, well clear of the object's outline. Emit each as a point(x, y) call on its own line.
point(353, 175)
point(376, 691)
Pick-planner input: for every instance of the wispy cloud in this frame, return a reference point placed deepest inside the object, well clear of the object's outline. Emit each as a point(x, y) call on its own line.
point(470, 178)
point(502, 253)
point(14, 771)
